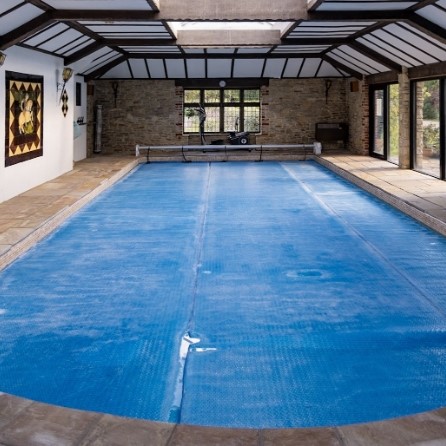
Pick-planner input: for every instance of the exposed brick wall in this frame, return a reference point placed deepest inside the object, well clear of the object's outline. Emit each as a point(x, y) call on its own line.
point(358, 105)
point(150, 112)
point(146, 112)
point(292, 107)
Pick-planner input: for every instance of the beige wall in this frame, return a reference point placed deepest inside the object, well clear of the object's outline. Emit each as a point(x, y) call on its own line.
point(150, 112)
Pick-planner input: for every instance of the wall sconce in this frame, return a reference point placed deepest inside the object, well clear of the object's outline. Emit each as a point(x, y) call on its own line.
point(66, 76)
point(2, 58)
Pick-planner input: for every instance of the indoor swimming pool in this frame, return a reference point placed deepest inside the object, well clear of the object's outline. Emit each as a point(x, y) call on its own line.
point(257, 295)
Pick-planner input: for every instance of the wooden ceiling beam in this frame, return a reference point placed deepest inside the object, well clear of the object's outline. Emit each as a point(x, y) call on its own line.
point(101, 71)
point(374, 55)
point(26, 30)
point(342, 67)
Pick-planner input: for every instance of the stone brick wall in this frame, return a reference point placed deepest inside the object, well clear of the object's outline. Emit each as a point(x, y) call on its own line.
point(150, 112)
point(358, 106)
point(146, 112)
point(292, 107)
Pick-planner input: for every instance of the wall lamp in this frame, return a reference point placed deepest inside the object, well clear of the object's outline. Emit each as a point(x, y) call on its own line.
point(2, 58)
point(66, 76)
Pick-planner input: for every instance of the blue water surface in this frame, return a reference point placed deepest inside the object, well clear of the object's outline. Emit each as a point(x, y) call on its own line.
point(231, 294)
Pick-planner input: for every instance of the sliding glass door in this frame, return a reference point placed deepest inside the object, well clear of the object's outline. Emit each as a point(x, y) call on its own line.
point(384, 123)
point(427, 127)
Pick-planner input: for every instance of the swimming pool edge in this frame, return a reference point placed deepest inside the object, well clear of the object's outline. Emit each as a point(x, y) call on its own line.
point(397, 202)
point(51, 224)
point(25, 422)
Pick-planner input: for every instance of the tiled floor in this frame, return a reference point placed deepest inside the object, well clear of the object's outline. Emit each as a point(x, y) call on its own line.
point(31, 216)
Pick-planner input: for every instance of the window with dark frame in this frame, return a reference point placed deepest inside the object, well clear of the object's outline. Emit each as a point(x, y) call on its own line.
point(227, 109)
point(78, 94)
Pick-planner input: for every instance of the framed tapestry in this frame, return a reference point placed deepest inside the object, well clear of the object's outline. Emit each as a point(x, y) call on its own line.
point(24, 117)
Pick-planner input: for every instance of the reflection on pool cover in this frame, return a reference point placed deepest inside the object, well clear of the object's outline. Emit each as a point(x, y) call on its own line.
point(306, 302)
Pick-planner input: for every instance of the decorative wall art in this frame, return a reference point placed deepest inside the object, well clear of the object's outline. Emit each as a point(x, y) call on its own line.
point(24, 117)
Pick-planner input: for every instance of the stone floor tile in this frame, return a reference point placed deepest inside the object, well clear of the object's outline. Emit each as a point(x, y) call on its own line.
point(45, 425)
point(13, 235)
point(303, 437)
point(117, 431)
point(426, 429)
point(212, 436)
point(10, 407)
point(439, 213)
point(4, 249)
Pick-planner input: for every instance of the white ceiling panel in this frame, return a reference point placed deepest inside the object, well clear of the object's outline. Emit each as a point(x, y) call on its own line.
point(127, 29)
point(422, 42)
point(196, 68)
point(405, 47)
point(253, 50)
point(121, 71)
point(219, 68)
point(362, 60)
point(94, 60)
point(297, 49)
point(434, 14)
point(18, 17)
point(363, 5)
point(310, 67)
point(328, 70)
point(60, 41)
point(77, 45)
point(319, 29)
point(47, 34)
point(6, 5)
point(138, 68)
point(157, 69)
point(152, 49)
point(357, 60)
point(274, 68)
point(99, 4)
point(248, 67)
point(175, 68)
point(388, 51)
point(292, 67)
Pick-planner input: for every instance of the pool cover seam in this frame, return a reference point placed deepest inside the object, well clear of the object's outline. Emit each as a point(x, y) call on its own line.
point(196, 266)
point(366, 242)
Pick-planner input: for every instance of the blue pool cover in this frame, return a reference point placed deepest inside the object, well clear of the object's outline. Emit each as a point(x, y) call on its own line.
point(231, 294)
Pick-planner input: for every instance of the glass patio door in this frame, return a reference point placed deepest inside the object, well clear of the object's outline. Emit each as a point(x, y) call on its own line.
point(378, 144)
point(427, 127)
point(384, 125)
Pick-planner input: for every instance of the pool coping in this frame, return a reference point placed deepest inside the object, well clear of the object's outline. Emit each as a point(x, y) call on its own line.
point(404, 205)
point(24, 422)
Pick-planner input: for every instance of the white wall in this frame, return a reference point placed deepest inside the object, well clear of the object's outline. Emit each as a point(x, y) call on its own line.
point(57, 130)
